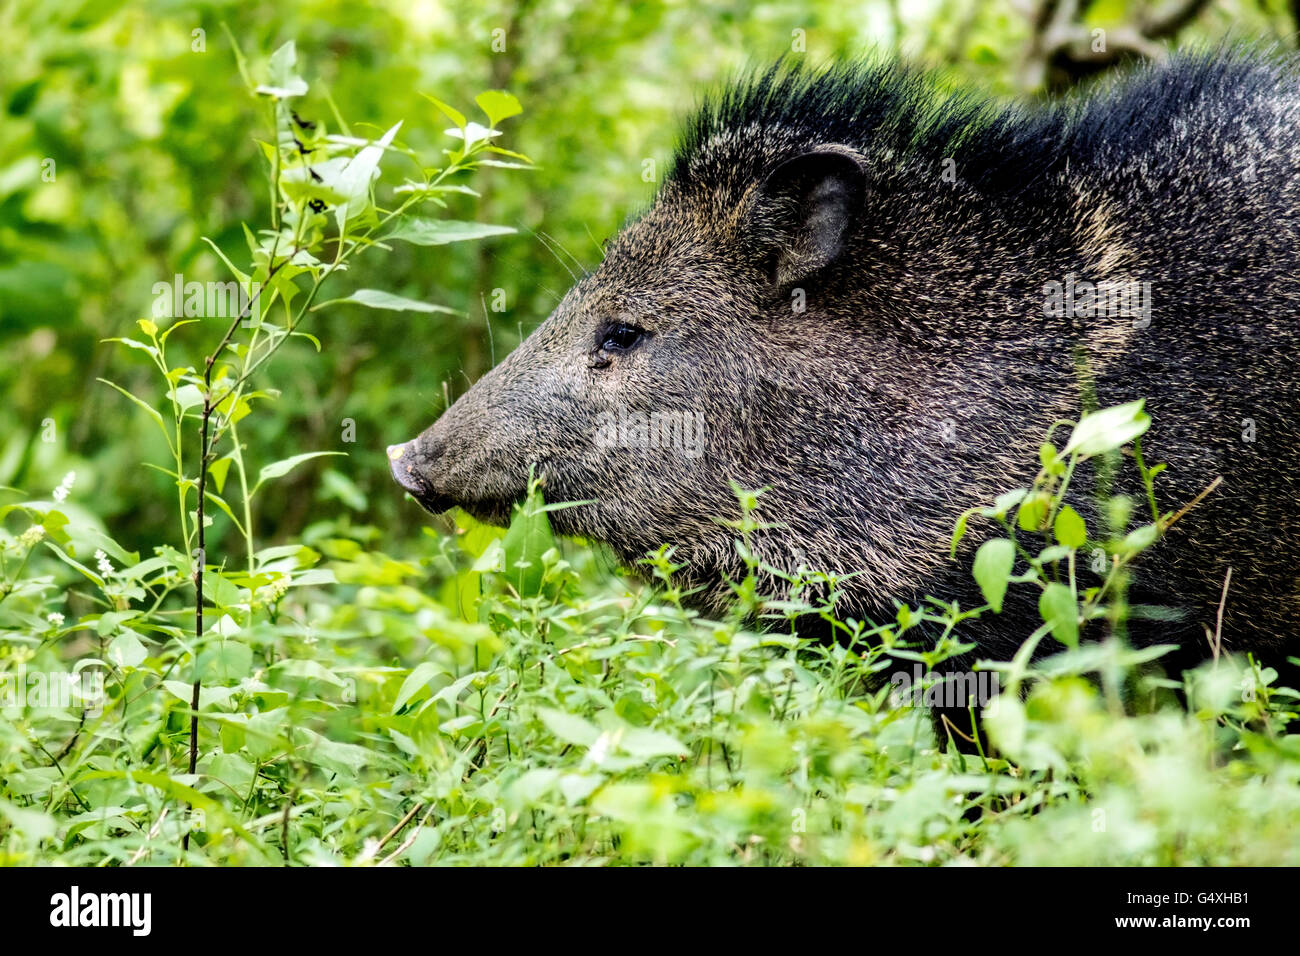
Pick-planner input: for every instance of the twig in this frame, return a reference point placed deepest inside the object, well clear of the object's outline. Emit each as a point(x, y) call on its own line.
point(406, 844)
point(1168, 523)
point(1217, 643)
point(401, 824)
point(205, 456)
point(953, 729)
point(1172, 19)
point(153, 832)
point(1062, 41)
point(69, 745)
point(284, 826)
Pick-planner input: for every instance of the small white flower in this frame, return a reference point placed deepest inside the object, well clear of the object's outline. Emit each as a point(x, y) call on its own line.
point(105, 566)
point(599, 750)
point(65, 486)
point(32, 535)
point(55, 618)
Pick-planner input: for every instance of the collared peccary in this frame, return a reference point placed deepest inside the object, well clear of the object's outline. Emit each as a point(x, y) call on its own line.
point(854, 291)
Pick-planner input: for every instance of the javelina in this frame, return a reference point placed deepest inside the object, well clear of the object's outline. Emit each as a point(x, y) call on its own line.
point(853, 282)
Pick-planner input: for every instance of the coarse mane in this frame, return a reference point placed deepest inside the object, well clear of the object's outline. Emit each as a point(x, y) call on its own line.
point(888, 109)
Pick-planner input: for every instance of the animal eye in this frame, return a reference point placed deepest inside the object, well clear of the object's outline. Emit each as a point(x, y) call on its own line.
point(620, 337)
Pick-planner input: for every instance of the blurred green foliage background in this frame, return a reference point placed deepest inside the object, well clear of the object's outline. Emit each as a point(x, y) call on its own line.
point(128, 135)
point(587, 722)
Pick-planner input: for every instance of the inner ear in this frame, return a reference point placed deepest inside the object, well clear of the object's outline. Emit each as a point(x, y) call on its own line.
point(815, 198)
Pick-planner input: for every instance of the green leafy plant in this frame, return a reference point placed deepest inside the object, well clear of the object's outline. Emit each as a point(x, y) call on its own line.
point(361, 694)
point(324, 211)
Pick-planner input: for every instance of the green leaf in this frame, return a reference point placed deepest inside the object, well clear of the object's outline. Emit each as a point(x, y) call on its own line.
point(451, 693)
point(1033, 512)
point(224, 662)
point(468, 591)
point(498, 105)
point(342, 758)
point(127, 650)
point(152, 412)
point(376, 299)
point(222, 592)
point(431, 189)
point(651, 743)
point(217, 472)
point(284, 80)
point(244, 281)
point(534, 784)
point(1056, 552)
point(1008, 500)
point(313, 578)
point(450, 112)
point(132, 343)
point(569, 728)
point(309, 337)
point(186, 397)
point(173, 327)
point(959, 532)
point(1058, 609)
point(54, 522)
point(473, 134)
point(299, 185)
point(501, 164)
point(91, 575)
point(576, 787)
point(355, 179)
point(1108, 429)
point(225, 626)
point(423, 231)
point(221, 503)
point(415, 682)
point(1139, 539)
point(92, 537)
point(1069, 528)
point(528, 538)
point(507, 152)
point(992, 570)
point(285, 465)
point(208, 695)
point(232, 770)
point(33, 825)
point(335, 484)
point(303, 670)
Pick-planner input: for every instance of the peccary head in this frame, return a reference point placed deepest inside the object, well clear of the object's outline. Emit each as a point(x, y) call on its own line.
point(789, 315)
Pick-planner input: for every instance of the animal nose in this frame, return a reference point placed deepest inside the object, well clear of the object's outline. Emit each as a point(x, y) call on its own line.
point(403, 462)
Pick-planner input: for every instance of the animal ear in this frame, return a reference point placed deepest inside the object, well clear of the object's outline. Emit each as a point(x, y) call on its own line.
point(815, 199)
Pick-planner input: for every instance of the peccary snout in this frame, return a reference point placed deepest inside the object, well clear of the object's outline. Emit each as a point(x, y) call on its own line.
point(441, 477)
point(478, 454)
point(411, 469)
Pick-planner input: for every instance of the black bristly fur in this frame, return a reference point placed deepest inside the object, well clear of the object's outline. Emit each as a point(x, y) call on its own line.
point(903, 368)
